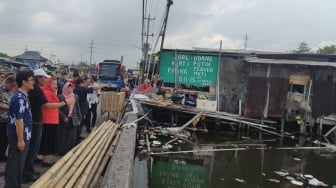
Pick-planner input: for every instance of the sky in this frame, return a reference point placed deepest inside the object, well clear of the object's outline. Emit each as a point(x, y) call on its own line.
point(63, 30)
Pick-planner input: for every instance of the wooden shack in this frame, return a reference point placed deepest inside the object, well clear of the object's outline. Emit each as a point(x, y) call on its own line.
point(254, 84)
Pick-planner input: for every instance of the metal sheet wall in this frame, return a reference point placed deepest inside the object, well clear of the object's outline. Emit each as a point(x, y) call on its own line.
point(323, 99)
point(278, 96)
point(256, 98)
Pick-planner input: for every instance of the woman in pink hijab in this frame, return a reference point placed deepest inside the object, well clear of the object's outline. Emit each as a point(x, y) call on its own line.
point(69, 118)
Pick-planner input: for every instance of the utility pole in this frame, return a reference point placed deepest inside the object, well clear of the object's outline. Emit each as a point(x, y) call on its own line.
point(91, 52)
point(163, 32)
point(146, 45)
point(169, 3)
point(245, 42)
point(81, 59)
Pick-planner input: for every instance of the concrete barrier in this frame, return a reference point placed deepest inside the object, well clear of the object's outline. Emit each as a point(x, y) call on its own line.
point(119, 172)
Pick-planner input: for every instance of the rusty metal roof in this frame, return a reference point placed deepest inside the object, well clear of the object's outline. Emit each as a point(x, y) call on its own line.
point(289, 62)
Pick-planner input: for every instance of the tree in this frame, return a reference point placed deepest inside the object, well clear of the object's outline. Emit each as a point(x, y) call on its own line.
point(4, 55)
point(327, 50)
point(303, 48)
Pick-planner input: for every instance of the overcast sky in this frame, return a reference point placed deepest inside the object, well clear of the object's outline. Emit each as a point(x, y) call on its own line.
point(64, 29)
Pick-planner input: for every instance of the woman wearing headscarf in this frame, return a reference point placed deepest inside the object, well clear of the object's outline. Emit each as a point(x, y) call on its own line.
point(50, 121)
point(70, 118)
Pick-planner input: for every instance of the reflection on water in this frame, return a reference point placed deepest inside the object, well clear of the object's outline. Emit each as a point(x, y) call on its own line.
point(263, 163)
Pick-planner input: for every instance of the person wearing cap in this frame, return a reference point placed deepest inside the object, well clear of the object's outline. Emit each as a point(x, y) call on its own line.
point(37, 101)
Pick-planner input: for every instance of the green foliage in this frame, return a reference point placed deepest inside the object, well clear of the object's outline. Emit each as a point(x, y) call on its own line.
point(303, 48)
point(327, 50)
point(4, 55)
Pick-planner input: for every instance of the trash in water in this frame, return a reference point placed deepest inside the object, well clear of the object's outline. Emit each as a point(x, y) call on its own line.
point(222, 179)
point(295, 182)
point(289, 178)
point(308, 176)
point(176, 161)
point(297, 159)
point(263, 174)
point(167, 146)
point(281, 173)
point(316, 182)
point(156, 143)
point(273, 180)
point(240, 180)
point(152, 136)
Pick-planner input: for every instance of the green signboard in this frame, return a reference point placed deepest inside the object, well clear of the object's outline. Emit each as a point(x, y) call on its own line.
point(178, 175)
point(194, 69)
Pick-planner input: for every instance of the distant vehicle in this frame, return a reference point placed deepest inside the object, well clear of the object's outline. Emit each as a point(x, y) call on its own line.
point(11, 66)
point(110, 72)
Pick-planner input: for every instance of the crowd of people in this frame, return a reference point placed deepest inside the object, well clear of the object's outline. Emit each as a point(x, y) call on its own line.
point(41, 114)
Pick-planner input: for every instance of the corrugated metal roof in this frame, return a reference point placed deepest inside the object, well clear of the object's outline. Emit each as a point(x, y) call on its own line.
point(289, 62)
point(31, 55)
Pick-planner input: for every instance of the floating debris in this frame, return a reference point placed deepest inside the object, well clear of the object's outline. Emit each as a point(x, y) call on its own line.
point(316, 182)
point(289, 178)
point(308, 176)
point(180, 141)
point(142, 142)
point(222, 179)
point(297, 159)
point(273, 180)
point(240, 180)
point(263, 174)
point(295, 182)
point(156, 143)
point(167, 146)
point(152, 136)
point(176, 161)
point(281, 173)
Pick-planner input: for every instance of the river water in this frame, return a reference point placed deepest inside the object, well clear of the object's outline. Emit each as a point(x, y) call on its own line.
point(231, 160)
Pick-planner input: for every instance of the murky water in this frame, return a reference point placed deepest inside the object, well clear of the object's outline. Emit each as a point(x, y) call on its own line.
point(266, 162)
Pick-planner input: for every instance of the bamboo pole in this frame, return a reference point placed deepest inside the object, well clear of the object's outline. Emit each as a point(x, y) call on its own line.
point(43, 180)
point(148, 143)
point(93, 166)
point(70, 168)
point(187, 123)
point(76, 171)
point(300, 148)
point(104, 162)
point(196, 151)
point(46, 179)
point(170, 141)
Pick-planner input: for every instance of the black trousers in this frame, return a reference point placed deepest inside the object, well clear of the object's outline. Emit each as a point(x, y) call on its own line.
point(34, 147)
point(91, 117)
point(3, 139)
point(14, 165)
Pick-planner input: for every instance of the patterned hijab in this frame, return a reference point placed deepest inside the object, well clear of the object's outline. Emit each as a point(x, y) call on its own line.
point(68, 95)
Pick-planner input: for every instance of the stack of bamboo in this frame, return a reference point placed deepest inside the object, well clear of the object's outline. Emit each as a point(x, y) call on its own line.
point(83, 165)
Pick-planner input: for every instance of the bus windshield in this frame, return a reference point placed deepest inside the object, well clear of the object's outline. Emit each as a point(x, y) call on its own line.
point(109, 71)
